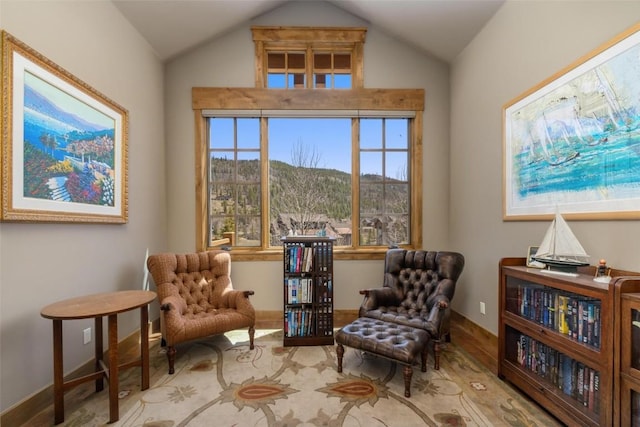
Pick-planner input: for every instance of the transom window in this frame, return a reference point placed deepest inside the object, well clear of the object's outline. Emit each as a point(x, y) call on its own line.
point(287, 70)
point(312, 58)
point(345, 163)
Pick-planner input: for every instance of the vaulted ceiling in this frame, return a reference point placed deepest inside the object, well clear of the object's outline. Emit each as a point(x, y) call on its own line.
point(441, 28)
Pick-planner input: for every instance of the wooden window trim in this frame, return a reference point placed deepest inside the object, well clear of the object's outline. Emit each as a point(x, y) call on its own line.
point(235, 98)
point(309, 34)
point(305, 99)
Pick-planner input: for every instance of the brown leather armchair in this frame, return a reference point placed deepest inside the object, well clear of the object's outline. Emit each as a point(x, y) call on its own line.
point(417, 290)
point(197, 298)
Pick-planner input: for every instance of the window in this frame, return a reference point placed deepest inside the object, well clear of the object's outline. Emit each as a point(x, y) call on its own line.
point(329, 70)
point(286, 69)
point(312, 58)
point(234, 181)
point(307, 160)
point(310, 178)
point(384, 182)
point(309, 183)
point(332, 70)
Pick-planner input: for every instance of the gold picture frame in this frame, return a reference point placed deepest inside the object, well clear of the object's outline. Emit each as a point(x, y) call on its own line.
point(64, 144)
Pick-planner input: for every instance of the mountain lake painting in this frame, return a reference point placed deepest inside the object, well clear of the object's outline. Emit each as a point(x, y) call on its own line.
point(68, 147)
point(65, 147)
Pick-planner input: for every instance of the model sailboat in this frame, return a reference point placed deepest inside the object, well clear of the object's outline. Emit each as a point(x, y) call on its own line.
point(560, 249)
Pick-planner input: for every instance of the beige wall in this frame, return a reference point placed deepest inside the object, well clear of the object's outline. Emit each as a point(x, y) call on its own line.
point(525, 43)
point(43, 263)
point(229, 61)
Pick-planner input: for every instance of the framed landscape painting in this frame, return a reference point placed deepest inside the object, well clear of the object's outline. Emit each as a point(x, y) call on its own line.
point(572, 143)
point(64, 145)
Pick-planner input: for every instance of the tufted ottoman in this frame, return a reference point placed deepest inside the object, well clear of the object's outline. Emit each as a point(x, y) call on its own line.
point(389, 340)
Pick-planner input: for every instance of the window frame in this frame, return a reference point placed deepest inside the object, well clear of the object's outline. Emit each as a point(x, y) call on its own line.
point(309, 40)
point(366, 100)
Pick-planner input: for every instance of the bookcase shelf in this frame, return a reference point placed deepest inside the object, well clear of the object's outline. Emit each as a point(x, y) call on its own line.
point(556, 340)
point(627, 344)
point(308, 291)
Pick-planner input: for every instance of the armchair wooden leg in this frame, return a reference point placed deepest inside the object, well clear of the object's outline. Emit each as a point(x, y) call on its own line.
point(252, 333)
point(423, 358)
point(436, 354)
point(340, 353)
point(171, 357)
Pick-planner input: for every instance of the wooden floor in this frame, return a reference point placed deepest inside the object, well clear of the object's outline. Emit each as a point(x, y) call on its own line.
point(476, 341)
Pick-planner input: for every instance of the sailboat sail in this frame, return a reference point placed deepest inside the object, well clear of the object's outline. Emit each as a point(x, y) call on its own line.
point(561, 246)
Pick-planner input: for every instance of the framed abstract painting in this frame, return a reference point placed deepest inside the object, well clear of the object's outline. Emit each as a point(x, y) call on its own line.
point(572, 143)
point(64, 145)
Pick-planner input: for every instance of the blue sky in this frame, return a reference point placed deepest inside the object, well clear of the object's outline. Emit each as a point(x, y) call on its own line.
point(330, 138)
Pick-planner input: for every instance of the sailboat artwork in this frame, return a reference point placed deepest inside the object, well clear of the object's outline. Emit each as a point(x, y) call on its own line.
point(560, 249)
point(575, 139)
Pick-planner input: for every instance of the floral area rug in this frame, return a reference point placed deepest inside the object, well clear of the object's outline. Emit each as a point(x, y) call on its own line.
point(220, 382)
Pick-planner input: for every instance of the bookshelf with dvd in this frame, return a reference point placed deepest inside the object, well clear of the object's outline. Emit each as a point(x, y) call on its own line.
point(308, 290)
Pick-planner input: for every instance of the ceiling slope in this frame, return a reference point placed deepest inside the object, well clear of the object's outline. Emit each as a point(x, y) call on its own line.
point(442, 28)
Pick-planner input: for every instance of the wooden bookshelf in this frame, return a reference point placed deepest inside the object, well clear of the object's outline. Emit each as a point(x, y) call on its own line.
point(627, 352)
point(556, 340)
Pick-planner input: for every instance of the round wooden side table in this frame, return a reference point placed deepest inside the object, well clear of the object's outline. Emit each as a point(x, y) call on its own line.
point(97, 306)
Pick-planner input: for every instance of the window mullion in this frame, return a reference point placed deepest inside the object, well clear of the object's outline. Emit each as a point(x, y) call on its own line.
point(309, 67)
point(355, 182)
point(202, 182)
point(415, 181)
point(265, 214)
point(333, 70)
point(287, 71)
point(384, 166)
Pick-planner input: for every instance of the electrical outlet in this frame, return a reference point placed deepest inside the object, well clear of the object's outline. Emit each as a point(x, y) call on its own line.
point(86, 334)
point(482, 308)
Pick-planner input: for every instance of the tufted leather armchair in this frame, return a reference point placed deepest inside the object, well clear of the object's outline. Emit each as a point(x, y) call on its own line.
point(197, 298)
point(417, 289)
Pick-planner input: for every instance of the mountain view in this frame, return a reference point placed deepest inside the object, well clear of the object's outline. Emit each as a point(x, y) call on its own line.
point(309, 201)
